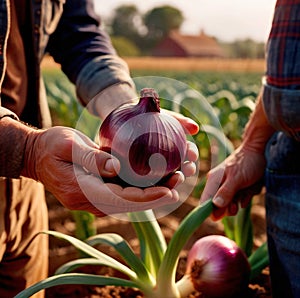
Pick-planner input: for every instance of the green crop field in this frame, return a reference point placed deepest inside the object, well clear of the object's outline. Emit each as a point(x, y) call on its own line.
point(231, 94)
point(221, 102)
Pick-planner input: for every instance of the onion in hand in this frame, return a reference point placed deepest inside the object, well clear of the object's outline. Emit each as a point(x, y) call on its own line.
point(216, 267)
point(150, 144)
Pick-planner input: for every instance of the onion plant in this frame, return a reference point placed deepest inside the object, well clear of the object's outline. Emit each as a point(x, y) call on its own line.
point(152, 270)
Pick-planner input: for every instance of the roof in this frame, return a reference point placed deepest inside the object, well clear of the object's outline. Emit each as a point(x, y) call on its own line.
point(200, 45)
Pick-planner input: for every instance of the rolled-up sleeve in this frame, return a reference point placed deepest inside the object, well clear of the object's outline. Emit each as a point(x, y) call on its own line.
point(100, 73)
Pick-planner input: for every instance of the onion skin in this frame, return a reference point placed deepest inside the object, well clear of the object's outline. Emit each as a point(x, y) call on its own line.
point(218, 268)
point(150, 144)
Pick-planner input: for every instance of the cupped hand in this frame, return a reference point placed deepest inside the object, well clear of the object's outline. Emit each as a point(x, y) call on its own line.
point(188, 167)
point(234, 181)
point(70, 166)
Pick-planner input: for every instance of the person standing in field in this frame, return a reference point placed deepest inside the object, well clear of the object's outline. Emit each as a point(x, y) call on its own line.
point(34, 155)
point(270, 151)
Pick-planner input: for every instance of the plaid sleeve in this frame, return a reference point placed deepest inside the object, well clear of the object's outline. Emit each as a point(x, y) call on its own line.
point(283, 48)
point(281, 93)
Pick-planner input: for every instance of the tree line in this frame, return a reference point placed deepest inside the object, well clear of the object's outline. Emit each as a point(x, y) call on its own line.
point(135, 34)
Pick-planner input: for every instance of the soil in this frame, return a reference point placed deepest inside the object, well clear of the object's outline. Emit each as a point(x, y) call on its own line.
point(60, 252)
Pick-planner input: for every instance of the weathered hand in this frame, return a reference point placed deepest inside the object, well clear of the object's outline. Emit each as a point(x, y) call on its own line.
point(235, 180)
point(70, 166)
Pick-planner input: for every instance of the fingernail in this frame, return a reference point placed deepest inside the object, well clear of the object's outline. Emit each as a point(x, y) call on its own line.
point(112, 165)
point(218, 201)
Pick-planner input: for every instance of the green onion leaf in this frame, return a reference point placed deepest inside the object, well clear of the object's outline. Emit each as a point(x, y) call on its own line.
point(125, 251)
point(91, 251)
point(75, 278)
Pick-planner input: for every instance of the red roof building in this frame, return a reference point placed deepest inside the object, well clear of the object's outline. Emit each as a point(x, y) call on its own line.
point(179, 45)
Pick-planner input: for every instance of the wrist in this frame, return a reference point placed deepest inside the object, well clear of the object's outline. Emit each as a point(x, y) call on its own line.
point(29, 158)
point(13, 138)
point(258, 130)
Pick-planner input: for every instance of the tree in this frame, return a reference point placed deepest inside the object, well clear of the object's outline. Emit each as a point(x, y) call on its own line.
point(145, 30)
point(127, 22)
point(161, 20)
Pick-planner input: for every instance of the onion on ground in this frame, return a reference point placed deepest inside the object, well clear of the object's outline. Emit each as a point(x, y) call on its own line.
point(216, 267)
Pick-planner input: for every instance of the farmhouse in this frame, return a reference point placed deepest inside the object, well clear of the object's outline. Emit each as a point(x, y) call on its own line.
point(179, 45)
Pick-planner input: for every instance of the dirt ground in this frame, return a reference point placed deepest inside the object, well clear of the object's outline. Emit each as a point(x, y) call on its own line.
point(61, 220)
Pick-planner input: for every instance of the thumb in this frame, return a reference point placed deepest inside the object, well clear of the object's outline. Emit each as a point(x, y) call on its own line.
point(96, 161)
point(87, 154)
point(107, 165)
point(224, 195)
point(213, 183)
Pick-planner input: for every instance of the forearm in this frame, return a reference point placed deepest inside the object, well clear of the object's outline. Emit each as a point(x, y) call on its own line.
point(258, 130)
point(13, 137)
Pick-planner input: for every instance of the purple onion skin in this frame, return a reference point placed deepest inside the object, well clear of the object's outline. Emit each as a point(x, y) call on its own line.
point(218, 268)
point(150, 145)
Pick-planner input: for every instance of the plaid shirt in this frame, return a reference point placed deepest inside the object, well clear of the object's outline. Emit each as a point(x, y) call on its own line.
point(283, 51)
point(281, 96)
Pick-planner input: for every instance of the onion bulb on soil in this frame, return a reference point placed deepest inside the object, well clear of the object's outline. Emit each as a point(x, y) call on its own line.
point(150, 144)
point(216, 267)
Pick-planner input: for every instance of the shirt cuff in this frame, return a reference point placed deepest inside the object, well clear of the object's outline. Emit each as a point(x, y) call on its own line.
point(99, 74)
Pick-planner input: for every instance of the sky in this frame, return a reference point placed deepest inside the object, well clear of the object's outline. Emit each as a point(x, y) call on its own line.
point(226, 20)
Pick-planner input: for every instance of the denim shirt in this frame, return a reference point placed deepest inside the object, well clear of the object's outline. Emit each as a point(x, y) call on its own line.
point(70, 31)
point(282, 107)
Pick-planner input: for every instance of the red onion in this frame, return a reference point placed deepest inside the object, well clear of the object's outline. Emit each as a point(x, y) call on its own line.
point(150, 144)
point(217, 267)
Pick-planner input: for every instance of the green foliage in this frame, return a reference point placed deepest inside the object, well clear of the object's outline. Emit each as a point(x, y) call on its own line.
point(62, 101)
point(144, 30)
point(155, 282)
point(125, 47)
point(259, 260)
point(210, 82)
